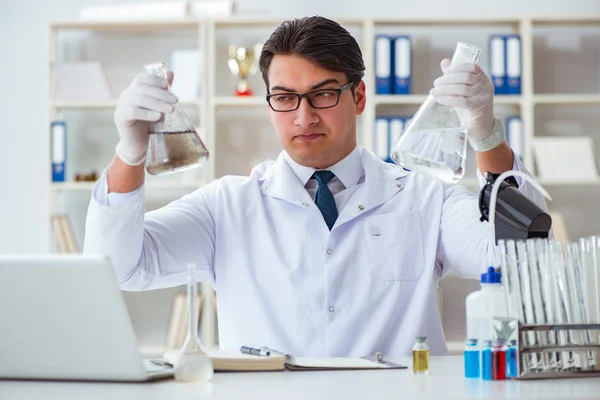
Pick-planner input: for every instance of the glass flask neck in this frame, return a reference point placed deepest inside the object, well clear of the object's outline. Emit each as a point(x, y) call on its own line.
point(192, 340)
point(465, 53)
point(157, 69)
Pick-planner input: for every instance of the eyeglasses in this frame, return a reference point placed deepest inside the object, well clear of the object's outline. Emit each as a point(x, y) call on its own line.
point(320, 98)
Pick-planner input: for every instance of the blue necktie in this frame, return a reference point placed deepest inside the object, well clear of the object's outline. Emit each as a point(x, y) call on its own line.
point(324, 198)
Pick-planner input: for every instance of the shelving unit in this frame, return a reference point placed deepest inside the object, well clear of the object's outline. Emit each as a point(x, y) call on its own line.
point(216, 109)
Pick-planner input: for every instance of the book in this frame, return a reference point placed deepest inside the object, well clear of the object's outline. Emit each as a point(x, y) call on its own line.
point(77, 81)
point(177, 329)
point(64, 234)
point(566, 158)
point(235, 361)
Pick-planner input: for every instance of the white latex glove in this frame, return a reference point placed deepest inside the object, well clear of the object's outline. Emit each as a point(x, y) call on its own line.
point(140, 105)
point(468, 88)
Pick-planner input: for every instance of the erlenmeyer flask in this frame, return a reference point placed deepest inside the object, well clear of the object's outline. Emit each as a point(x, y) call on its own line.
point(173, 144)
point(434, 142)
point(193, 364)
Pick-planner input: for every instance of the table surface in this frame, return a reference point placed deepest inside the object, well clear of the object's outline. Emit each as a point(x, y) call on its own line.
point(445, 381)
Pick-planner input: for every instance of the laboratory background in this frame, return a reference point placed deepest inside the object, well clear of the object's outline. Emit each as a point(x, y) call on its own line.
point(63, 70)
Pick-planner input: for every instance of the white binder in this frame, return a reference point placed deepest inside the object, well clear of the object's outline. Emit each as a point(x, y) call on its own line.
point(514, 135)
point(513, 64)
point(396, 128)
point(402, 65)
point(383, 64)
point(498, 63)
point(381, 139)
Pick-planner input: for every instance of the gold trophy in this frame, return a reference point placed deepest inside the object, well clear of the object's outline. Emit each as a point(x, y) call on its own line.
point(243, 62)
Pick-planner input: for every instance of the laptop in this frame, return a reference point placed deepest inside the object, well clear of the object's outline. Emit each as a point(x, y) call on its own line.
point(63, 318)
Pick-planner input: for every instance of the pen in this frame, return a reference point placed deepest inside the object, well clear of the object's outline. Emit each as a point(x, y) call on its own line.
point(262, 352)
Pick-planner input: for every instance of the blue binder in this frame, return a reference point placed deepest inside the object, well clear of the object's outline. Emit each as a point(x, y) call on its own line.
point(402, 64)
point(498, 63)
point(383, 65)
point(58, 140)
point(396, 129)
point(515, 136)
point(513, 64)
point(381, 138)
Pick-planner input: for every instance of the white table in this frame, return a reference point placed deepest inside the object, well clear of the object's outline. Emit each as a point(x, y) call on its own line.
point(445, 381)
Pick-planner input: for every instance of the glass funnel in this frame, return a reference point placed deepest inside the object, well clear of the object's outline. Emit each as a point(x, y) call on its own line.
point(434, 142)
point(173, 143)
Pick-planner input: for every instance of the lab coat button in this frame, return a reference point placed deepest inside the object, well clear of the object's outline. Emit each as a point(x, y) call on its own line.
point(305, 204)
point(361, 207)
point(329, 251)
point(331, 309)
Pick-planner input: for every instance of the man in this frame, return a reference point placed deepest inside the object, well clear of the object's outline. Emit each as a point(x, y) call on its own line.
point(328, 251)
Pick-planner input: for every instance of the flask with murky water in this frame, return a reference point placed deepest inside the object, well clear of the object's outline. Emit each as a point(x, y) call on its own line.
point(434, 142)
point(173, 144)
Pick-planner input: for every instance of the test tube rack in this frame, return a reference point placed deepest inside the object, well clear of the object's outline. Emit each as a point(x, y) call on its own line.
point(524, 349)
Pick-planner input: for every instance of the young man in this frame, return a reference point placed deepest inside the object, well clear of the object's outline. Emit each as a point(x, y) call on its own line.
point(328, 251)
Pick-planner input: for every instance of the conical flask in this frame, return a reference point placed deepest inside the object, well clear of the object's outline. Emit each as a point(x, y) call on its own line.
point(193, 364)
point(434, 142)
point(173, 144)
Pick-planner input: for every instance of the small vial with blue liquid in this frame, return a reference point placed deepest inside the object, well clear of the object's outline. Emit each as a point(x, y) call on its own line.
point(486, 360)
point(511, 360)
point(472, 358)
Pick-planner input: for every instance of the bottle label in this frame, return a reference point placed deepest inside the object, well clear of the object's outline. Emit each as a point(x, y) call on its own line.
point(420, 360)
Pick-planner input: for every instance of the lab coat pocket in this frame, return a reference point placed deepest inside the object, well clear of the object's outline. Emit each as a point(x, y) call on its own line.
point(395, 243)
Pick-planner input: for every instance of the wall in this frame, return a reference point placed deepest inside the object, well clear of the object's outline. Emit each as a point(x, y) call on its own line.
point(23, 227)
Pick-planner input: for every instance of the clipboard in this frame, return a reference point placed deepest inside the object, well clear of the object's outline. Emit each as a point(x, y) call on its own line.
point(339, 364)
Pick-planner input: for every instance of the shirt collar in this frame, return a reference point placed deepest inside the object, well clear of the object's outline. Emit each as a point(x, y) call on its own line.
point(348, 170)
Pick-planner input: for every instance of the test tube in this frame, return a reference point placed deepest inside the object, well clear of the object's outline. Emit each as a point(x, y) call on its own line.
point(574, 273)
point(471, 359)
point(527, 298)
point(546, 316)
point(517, 298)
point(512, 360)
point(562, 311)
point(486, 360)
point(498, 360)
point(587, 250)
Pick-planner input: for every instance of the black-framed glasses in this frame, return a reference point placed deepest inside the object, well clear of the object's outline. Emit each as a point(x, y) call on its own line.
point(320, 98)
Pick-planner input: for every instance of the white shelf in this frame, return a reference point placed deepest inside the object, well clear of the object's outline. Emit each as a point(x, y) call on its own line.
point(106, 103)
point(447, 21)
point(572, 182)
point(242, 101)
point(184, 23)
point(566, 99)
point(266, 22)
point(416, 99)
point(156, 185)
point(571, 20)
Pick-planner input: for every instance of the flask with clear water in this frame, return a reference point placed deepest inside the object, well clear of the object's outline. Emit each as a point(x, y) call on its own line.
point(434, 142)
point(173, 144)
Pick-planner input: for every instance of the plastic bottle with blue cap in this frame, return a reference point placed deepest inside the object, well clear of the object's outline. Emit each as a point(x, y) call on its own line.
point(485, 304)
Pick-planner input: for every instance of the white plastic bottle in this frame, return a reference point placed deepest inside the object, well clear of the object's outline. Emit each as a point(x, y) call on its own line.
point(485, 304)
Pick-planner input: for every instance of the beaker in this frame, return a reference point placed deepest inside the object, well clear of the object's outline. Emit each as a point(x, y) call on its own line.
point(173, 144)
point(434, 141)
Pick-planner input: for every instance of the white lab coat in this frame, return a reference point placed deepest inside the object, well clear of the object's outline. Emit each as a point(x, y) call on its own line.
point(284, 280)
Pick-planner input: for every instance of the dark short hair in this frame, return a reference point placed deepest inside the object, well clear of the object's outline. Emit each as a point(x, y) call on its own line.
point(319, 40)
